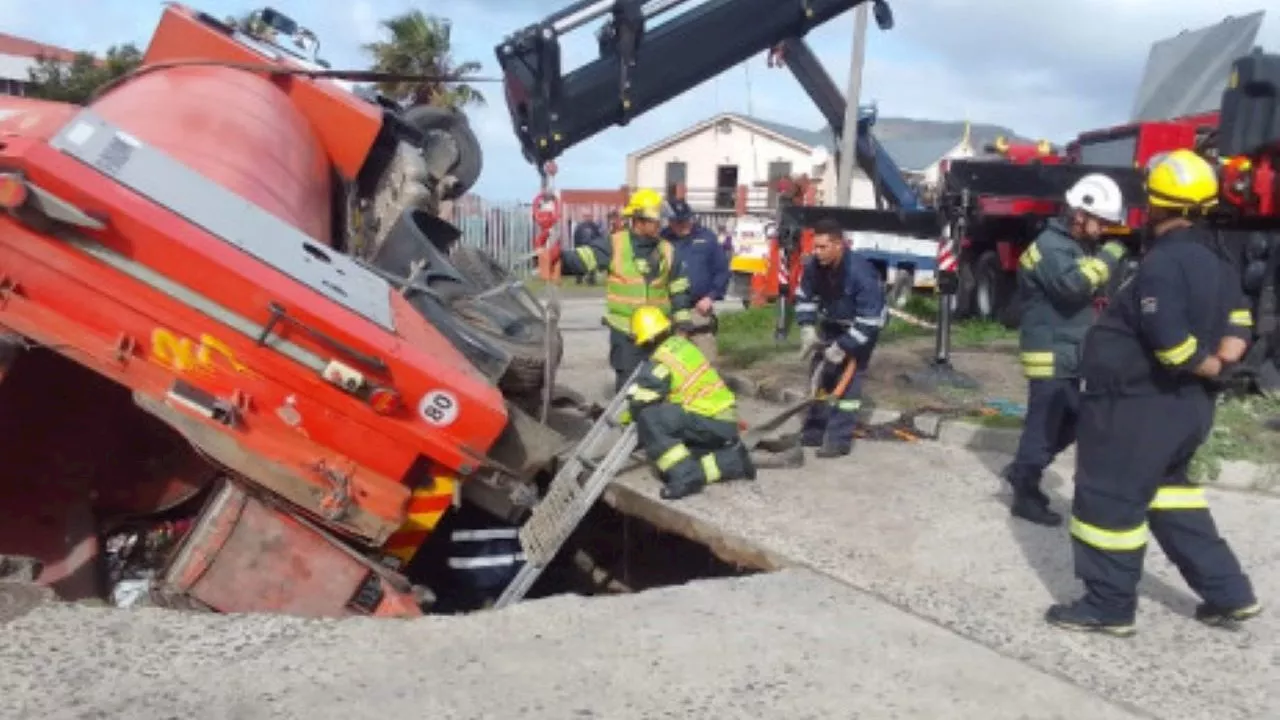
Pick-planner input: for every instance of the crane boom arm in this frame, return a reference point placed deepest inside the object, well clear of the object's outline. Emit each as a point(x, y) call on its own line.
point(640, 68)
point(890, 182)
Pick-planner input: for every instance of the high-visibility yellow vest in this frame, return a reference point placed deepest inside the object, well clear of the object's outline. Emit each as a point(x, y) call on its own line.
point(627, 289)
point(695, 385)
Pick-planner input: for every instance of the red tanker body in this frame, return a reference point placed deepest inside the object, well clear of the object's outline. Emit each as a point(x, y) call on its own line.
point(235, 128)
point(296, 419)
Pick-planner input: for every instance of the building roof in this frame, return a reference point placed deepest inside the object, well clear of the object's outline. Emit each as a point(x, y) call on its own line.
point(913, 144)
point(1186, 74)
point(22, 47)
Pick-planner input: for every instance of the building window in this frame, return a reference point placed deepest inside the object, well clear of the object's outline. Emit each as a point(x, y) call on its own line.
point(777, 171)
point(726, 187)
point(676, 175)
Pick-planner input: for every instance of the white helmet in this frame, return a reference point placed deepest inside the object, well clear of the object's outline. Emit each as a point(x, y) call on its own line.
point(1099, 196)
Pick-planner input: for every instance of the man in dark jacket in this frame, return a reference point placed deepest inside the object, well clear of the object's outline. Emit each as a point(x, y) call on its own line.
point(1058, 278)
point(1148, 387)
point(707, 268)
point(840, 309)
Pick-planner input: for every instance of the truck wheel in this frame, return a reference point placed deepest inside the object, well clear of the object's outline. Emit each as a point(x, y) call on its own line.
point(517, 328)
point(500, 322)
point(901, 289)
point(742, 288)
point(435, 121)
point(963, 307)
point(992, 288)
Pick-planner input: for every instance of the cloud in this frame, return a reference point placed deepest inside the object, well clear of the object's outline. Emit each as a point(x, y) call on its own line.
point(1044, 69)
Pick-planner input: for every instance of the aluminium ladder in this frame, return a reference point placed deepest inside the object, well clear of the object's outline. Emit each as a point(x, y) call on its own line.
point(569, 498)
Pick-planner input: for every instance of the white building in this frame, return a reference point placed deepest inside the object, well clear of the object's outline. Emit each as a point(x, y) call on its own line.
point(18, 56)
point(714, 157)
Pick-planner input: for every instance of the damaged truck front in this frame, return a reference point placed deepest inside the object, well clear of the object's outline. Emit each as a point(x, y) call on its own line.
point(245, 365)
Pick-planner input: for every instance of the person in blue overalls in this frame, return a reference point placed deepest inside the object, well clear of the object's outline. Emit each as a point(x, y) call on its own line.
point(840, 309)
point(707, 268)
point(1149, 371)
point(1060, 274)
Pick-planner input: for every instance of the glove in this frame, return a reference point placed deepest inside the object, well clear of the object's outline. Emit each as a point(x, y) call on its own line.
point(834, 354)
point(1234, 378)
point(808, 340)
point(1115, 249)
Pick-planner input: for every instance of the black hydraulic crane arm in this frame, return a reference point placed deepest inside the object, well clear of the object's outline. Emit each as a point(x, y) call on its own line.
point(639, 67)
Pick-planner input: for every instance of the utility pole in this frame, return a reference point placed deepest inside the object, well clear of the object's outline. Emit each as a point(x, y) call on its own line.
point(844, 173)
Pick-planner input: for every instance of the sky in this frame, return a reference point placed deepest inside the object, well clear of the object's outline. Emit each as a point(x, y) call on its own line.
point(1044, 68)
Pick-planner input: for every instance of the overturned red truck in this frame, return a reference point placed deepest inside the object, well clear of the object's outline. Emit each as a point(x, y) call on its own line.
point(243, 357)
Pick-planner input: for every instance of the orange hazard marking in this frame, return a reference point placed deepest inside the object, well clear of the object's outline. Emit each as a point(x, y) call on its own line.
point(427, 506)
point(184, 355)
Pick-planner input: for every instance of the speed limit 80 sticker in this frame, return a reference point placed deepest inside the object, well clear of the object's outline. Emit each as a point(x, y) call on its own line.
point(438, 408)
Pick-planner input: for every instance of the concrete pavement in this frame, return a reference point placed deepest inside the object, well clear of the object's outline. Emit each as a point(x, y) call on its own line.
point(925, 528)
point(918, 598)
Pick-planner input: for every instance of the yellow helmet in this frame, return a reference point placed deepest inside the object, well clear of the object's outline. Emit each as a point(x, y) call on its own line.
point(647, 323)
point(1182, 180)
point(645, 204)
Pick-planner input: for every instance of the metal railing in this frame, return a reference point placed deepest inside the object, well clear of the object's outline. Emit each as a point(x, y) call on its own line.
point(506, 230)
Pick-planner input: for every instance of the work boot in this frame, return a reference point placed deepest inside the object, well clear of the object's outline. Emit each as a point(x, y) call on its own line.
point(1082, 617)
point(834, 450)
point(788, 458)
point(744, 456)
point(1034, 510)
point(1215, 616)
point(675, 491)
point(1029, 502)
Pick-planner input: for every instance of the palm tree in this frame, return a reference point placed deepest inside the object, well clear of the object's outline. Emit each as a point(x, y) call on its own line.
point(420, 45)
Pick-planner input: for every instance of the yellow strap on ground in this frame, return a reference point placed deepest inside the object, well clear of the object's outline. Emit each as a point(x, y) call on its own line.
point(1179, 353)
point(1179, 497)
point(1110, 540)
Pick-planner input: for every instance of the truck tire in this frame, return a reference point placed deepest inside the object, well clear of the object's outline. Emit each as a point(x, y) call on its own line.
point(501, 321)
point(992, 290)
point(525, 339)
point(479, 267)
point(901, 288)
point(430, 120)
point(963, 307)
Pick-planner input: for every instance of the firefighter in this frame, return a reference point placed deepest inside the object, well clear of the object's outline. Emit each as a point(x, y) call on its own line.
point(1147, 400)
point(840, 308)
point(685, 416)
point(1059, 276)
point(707, 268)
point(643, 271)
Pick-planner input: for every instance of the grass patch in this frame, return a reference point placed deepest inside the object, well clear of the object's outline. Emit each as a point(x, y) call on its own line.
point(969, 333)
point(568, 286)
point(1239, 434)
point(746, 337)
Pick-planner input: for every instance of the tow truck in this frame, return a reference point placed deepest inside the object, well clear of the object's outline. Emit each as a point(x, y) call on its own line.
point(1007, 206)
